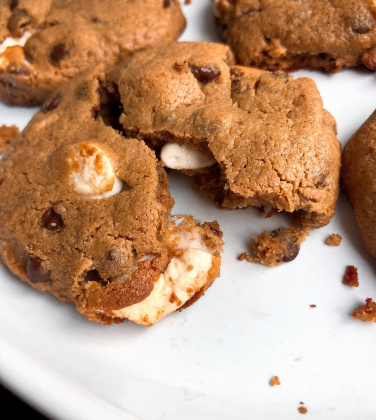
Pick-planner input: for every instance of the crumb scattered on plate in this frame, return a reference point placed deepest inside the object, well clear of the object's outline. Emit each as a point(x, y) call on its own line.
point(366, 312)
point(188, 2)
point(276, 247)
point(303, 410)
point(7, 134)
point(274, 381)
point(312, 306)
point(351, 276)
point(334, 240)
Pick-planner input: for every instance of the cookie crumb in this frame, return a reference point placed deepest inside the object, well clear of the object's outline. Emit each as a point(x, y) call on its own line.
point(334, 240)
point(312, 306)
point(351, 276)
point(276, 247)
point(366, 312)
point(274, 381)
point(7, 134)
point(303, 410)
point(188, 2)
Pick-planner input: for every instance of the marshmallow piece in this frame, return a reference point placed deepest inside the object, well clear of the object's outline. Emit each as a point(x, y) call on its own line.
point(11, 50)
point(185, 275)
point(175, 156)
point(92, 173)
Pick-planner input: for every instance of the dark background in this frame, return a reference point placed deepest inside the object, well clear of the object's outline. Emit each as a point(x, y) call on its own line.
point(13, 408)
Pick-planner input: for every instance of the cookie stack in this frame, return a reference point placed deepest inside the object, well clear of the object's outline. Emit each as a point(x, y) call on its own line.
point(88, 218)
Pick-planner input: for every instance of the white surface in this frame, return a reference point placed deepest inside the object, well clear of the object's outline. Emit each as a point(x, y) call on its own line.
point(215, 359)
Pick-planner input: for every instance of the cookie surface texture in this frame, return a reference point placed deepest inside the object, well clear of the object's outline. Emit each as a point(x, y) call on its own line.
point(250, 137)
point(290, 34)
point(85, 214)
point(46, 42)
point(359, 179)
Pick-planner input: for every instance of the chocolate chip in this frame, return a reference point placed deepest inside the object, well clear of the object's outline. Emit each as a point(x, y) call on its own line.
point(1, 181)
point(37, 273)
point(58, 53)
point(178, 67)
point(13, 4)
point(205, 74)
point(96, 20)
point(18, 22)
point(166, 4)
point(52, 220)
point(110, 256)
point(362, 29)
point(53, 104)
point(292, 251)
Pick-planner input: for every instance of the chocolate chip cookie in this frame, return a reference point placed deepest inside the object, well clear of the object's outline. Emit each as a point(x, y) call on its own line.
point(46, 42)
point(250, 137)
point(359, 179)
point(291, 34)
point(84, 214)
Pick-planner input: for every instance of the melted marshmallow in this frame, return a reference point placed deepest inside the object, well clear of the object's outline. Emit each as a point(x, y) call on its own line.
point(175, 156)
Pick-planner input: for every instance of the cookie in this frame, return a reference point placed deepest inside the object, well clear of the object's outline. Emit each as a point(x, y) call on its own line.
point(249, 137)
point(85, 215)
point(46, 42)
point(359, 179)
point(7, 134)
point(290, 34)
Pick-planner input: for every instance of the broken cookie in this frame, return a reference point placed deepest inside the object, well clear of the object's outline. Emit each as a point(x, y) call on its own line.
point(46, 42)
point(88, 218)
point(289, 34)
point(249, 137)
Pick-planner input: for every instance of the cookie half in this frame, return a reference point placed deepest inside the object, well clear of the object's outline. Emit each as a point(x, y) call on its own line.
point(290, 34)
point(250, 137)
point(359, 179)
point(85, 214)
point(46, 42)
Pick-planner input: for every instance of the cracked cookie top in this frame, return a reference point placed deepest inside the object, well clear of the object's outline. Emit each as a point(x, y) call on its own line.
point(290, 34)
point(45, 42)
point(249, 136)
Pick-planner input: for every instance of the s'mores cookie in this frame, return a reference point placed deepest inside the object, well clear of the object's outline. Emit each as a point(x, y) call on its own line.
point(359, 179)
point(85, 215)
point(250, 137)
point(46, 42)
point(290, 34)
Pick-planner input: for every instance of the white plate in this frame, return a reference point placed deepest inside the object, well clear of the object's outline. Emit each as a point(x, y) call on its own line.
point(215, 359)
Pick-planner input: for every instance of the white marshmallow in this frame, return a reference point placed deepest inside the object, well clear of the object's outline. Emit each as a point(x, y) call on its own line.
point(185, 275)
point(11, 42)
point(175, 156)
point(92, 173)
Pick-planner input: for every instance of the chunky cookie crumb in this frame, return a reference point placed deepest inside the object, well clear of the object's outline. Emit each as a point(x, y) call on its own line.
point(366, 312)
point(303, 410)
point(274, 381)
point(276, 247)
point(351, 276)
point(7, 134)
point(334, 240)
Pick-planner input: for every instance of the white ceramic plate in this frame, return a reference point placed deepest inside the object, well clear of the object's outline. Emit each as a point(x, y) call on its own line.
point(215, 359)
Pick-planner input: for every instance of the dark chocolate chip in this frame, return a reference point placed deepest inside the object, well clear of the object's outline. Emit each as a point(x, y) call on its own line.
point(52, 220)
point(205, 74)
point(37, 273)
point(363, 28)
point(292, 251)
point(110, 256)
point(53, 104)
point(166, 4)
point(58, 53)
point(96, 20)
point(1, 181)
point(13, 4)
